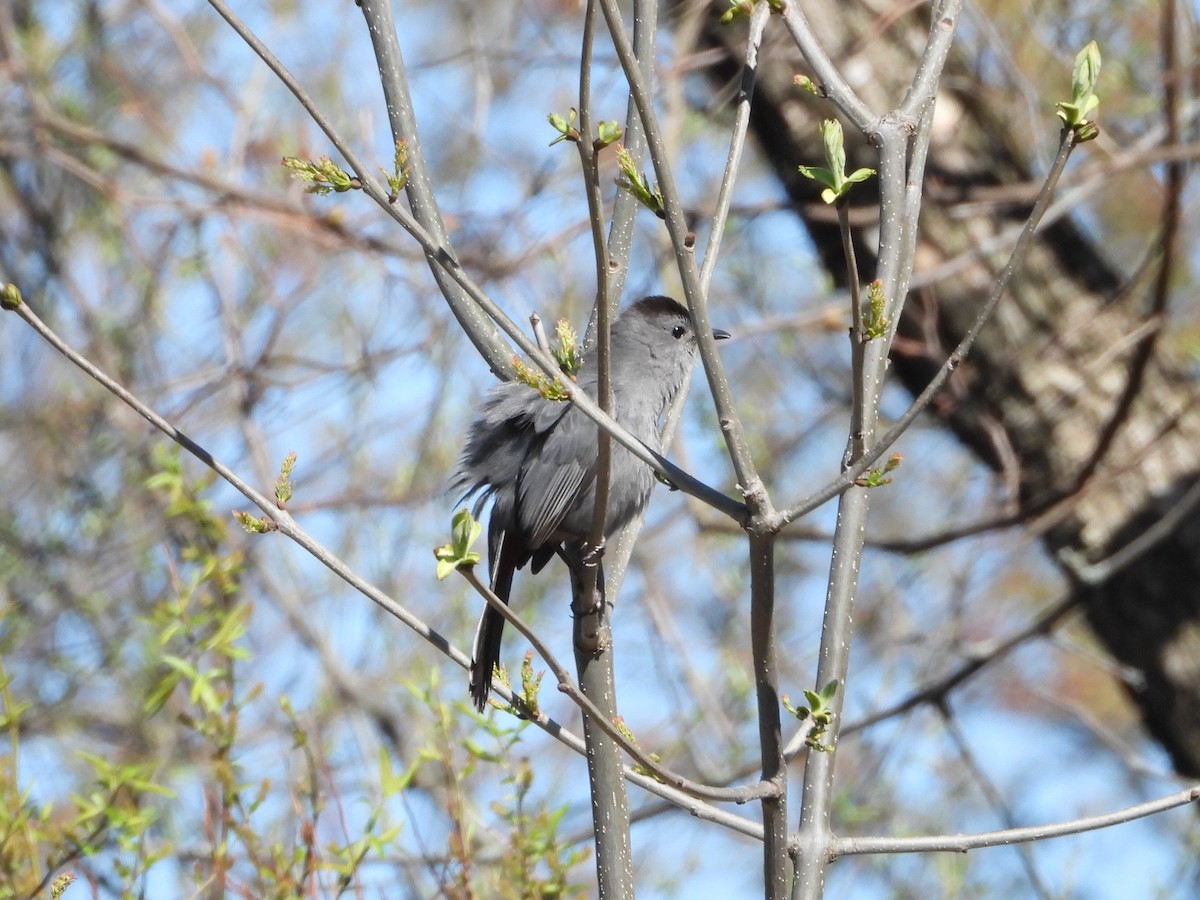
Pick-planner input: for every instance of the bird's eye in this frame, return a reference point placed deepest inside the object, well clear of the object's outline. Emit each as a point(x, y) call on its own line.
point(678, 331)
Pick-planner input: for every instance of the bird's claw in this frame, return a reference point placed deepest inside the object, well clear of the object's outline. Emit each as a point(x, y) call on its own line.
point(593, 555)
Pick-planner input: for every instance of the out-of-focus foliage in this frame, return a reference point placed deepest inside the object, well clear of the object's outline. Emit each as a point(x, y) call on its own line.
point(186, 706)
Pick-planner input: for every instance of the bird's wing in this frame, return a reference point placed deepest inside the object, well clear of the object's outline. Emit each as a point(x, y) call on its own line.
point(554, 477)
point(547, 503)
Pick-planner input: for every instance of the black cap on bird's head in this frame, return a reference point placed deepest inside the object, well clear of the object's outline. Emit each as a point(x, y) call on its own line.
point(659, 304)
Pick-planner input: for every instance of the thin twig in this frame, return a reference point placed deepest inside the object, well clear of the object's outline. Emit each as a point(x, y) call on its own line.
point(961, 843)
point(625, 205)
point(923, 88)
point(830, 80)
point(619, 549)
point(737, 143)
point(590, 165)
point(858, 337)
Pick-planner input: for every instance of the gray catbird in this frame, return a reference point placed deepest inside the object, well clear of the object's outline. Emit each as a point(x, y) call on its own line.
point(536, 458)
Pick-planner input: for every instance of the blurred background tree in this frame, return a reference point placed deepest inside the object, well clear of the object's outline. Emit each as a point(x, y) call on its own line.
point(192, 709)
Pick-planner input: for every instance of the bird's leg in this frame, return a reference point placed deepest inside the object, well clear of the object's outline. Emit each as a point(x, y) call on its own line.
point(587, 596)
point(587, 588)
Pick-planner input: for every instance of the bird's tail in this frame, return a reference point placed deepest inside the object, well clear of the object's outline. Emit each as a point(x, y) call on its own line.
point(485, 653)
point(485, 656)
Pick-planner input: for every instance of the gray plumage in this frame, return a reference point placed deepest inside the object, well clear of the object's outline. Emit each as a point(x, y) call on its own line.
point(535, 459)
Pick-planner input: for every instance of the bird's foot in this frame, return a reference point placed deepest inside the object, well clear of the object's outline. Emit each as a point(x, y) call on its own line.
point(592, 555)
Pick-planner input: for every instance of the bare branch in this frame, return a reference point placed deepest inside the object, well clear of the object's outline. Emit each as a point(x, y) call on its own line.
point(962, 843)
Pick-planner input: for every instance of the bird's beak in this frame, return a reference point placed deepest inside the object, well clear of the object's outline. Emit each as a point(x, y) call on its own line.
point(721, 334)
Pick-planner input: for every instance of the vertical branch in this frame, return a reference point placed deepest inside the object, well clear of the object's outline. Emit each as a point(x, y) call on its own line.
point(903, 141)
point(625, 206)
point(602, 309)
point(606, 777)
point(893, 273)
point(731, 425)
point(592, 630)
point(770, 729)
point(621, 548)
point(856, 444)
point(620, 240)
point(817, 800)
point(419, 187)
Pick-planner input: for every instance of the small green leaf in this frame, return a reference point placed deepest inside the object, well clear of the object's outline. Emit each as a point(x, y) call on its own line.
point(550, 389)
point(875, 323)
point(833, 141)
point(567, 354)
point(321, 177)
point(389, 781)
point(627, 733)
point(283, 484)
point(531, 683)
point(818, 712)
point(816, 173)
point(737, 8)
point(10, 297)
point(398, 177)
point(638, 184)
point(464, 531)
point(233, 626)
point(203, 692)
point(564, 125)
point(253, 524)
point(607, 134)
point(60, 884)
point(1085, 74)
point(834, 177)
point(182, 666)
point(159, 694)
point(806, 84)
point(878, 477)
point(1084, 77)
